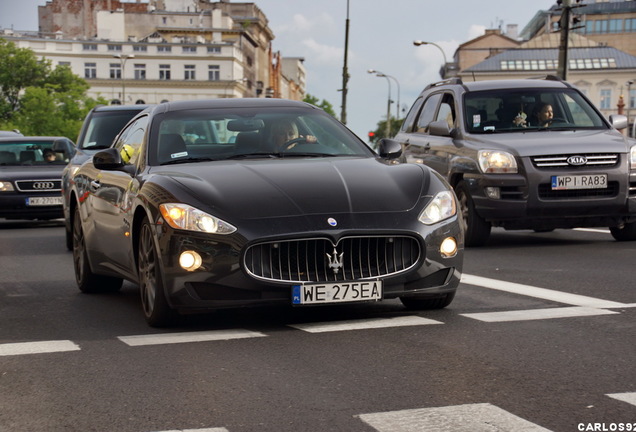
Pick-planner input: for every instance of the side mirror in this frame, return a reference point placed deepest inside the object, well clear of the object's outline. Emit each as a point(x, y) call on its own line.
point(618, 121)
point(108, 159)
point(389, 149)
point(439, 128)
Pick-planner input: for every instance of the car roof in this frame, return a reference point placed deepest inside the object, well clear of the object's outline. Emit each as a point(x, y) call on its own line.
point(230, 103)
point(20, 138)
point(136, 107)
point(539, 82)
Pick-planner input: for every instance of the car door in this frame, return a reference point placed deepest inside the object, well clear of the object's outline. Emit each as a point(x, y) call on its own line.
point(441, 147)
point(415, 137)
point(112, 194)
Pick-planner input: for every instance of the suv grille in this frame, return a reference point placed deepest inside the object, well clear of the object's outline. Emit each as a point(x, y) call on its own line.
point(354, 258)
point(54, 185)
point(561, 161)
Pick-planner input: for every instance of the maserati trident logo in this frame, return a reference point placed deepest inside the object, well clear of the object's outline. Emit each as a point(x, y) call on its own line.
point(43, 185)
point(577, 160)
point(335, 261)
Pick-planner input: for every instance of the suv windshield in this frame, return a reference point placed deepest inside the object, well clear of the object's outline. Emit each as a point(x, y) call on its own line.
point(103, 127)
point(529, 109)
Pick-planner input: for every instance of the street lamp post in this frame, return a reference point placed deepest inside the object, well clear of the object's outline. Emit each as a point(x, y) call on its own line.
point(629, 104)
point(122, 59)
point(388, 103)
point(419, 42)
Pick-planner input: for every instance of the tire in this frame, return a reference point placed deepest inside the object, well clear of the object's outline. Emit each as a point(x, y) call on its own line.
point(476, 229)
point(155, 306)
point(423, 303)
point(87, 281)
point(625, 233)
point(69, 238)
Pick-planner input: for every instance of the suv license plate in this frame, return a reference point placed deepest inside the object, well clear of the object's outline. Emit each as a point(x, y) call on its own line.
point(567, 182)
point(44, 201)
point(316, 293)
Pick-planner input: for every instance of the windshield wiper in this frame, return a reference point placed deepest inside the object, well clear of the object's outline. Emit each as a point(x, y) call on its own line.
point(184, 160)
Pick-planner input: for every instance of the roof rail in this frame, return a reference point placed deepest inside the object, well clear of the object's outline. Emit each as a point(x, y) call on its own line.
point(453, 80)
point(548, 77)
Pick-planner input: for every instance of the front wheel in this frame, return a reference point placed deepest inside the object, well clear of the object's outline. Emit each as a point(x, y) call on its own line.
point(626, 232)
point(156, 309)
point(476, 229)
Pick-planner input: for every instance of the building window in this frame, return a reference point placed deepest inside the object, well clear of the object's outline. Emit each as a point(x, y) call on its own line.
point(64, 63)
point(115, 71)
point(616, 26)
point(164, 20)
point(189, 72)
point(214, 72)
point(140, 71)
point(164, 48)
point(606, 99)
point(142, 48)
point(630, 25)
point(90, 70)
point(601, 26)
point(89, 47)
point(164, 71)
point(632, 98)
point(214, 50)
point(189, 49)
point(114, 47)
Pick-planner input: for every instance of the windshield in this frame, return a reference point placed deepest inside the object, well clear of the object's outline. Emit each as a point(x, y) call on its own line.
point(244, 133)
point(529, 109)
point(30, 152)
point(103, 127)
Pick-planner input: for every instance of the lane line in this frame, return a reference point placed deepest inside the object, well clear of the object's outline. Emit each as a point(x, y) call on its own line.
point(482, 417)
point(38, 347)
point(174, 338)
point(542, 293)
point(630, 398)
point(538, 314)
point(216, 429)
point(322, 327)
point(594, 230)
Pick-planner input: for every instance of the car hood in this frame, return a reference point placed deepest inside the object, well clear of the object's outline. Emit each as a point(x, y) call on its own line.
point(261, 189)
point(554, 142)
point(31, 172)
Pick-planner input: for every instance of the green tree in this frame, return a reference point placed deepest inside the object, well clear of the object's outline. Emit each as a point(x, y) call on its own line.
point(380, 131)
point(326, 106)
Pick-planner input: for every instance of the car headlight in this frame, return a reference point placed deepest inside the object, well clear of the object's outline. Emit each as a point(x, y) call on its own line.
point(441, 207)
point(497, 162)
point(185, 217)
point(632, 158)
point(6, 186)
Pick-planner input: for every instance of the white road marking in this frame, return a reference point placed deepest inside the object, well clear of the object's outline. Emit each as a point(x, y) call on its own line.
point(602, 231)
point(173, 338)
point(630, 398)
point(217, 429)
point(538, 314)
point(482, 417)
point(38, 347)
point(542, 293)
point(321, 327)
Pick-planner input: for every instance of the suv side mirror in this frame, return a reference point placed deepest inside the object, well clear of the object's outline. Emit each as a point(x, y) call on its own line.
point(108, 159)
point(618, 121)
point(389, 149)
point(439, 128)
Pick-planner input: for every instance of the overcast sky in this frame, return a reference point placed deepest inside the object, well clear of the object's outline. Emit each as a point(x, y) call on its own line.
point(381, 35)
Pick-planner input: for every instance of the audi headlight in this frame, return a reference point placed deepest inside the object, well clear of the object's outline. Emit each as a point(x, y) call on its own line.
point(6, 186)
point(441, 207)
point(185, 217)
point(497, 162)
point(632, 158)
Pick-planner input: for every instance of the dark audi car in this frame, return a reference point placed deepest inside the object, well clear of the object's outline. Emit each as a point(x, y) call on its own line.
point(225, 203)
point(30, 176)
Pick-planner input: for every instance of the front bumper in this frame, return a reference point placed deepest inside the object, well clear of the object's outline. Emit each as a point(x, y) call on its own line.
point(14, 206)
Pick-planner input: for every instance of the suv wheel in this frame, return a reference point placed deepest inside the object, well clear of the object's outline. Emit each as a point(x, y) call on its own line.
point(476, 229)
point(626, 232)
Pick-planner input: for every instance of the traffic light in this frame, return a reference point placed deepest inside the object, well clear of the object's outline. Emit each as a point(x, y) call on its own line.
point(371, 136)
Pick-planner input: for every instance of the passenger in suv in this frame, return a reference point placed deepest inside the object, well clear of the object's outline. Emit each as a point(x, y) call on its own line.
point(509, 170)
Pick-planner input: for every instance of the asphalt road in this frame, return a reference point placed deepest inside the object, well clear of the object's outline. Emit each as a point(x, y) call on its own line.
point(541, 336)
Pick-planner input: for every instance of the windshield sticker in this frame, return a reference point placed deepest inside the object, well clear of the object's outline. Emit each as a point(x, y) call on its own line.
point(178, 155)
point(476, 120)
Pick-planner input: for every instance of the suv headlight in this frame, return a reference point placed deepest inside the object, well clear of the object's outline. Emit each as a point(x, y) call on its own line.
point(185, 217)
point(497, 162)
point(6, 186)
point(441, 207)
point(632, 158)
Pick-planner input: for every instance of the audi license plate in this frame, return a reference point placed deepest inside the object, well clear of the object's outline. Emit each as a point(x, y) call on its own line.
point(44, 201)
point(567, 182)
point(315, 293)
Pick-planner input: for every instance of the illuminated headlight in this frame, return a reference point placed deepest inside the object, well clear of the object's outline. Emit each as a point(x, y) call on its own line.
point(190, 260)
point(6, 186)
point(448, 247)
point(632, 158)
point(497, 162)
point(185, 217)
point(441, 207)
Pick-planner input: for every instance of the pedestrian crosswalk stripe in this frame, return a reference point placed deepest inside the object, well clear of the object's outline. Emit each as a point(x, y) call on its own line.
point(403, 321)
point(173, 338)
point(537, 314)
point(38, 347)
point(481, 417)
point(630, 398)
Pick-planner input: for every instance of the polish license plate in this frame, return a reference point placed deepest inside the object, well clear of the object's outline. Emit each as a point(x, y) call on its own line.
point(317, 293)
point(585, 181)
point(44, 201)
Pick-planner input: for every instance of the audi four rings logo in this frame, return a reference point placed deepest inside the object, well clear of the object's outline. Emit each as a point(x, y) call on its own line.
point(43, 185)
point(577, 160)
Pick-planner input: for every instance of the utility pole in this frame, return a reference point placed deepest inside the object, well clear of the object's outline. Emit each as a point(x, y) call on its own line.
point(564, 23)
point(345, 72)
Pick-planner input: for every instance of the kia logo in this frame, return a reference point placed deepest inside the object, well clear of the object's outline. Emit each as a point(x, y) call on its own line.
point(43, 185)
point(577, 160)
